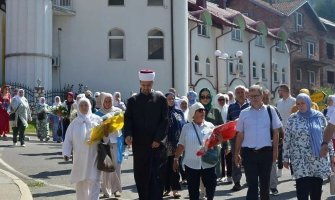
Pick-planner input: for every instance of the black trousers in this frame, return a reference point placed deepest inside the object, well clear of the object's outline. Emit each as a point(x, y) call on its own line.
point(257, 165)
point(149, 172)
point(19, 130)
point(171, 178)
point(280, 156)
point(309, 187)
point(226, 161)
point(208, 177)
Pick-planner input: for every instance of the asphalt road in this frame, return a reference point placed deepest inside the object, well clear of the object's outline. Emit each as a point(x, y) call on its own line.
point(41, 166)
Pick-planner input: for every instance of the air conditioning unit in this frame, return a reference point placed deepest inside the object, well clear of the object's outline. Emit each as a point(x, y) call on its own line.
point(55, 61)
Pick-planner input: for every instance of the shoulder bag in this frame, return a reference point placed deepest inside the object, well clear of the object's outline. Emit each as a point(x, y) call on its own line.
point(12, 115)
point(212, 155)
point(104, 158)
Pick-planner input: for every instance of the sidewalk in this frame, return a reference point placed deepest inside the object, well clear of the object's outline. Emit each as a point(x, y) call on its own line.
point(12, 188)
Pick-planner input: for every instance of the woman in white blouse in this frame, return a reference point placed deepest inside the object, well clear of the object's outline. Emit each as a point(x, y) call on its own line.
point(195, 168)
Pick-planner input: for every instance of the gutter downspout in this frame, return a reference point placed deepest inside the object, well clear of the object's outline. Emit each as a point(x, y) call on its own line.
point(172, 45)
point(249, 55)
point(190, 57)
point(3, 30)
point(216, 60)
point(271, 66)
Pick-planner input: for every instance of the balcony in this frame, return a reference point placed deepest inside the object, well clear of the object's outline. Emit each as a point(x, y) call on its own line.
point(63, 7)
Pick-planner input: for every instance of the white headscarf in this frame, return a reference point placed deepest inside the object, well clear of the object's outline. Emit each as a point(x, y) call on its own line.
point(178, 103)
point(217, 105)
point(41, 100)
point(57, 103)
point(103, 97)
point(22, 100)
point(331, 108)
point(196, 106)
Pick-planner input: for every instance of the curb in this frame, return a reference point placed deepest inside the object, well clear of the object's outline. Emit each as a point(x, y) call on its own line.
point(24, 189)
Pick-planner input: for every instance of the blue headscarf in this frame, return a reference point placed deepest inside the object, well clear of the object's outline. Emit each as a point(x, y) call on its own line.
point(313, 123)
point(192, 98)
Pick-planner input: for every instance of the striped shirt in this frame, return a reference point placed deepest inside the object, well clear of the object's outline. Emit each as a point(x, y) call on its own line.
point(189, 140)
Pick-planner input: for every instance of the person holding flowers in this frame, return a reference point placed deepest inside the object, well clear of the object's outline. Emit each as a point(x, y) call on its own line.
point(111, 181)
point(84, 171)
point(42, 122)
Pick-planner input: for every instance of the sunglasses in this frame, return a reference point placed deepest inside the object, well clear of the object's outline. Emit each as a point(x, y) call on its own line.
point(205, 97)
point(221, 99)
point(201, 110)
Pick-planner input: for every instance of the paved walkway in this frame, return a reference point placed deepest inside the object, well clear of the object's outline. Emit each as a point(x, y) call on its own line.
point(12, 188)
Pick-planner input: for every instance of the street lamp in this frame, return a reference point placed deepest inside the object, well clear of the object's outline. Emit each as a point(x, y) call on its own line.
point(225, 56)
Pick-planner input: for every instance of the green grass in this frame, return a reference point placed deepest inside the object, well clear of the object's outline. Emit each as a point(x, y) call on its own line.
point(31, 127)
point(35, 184)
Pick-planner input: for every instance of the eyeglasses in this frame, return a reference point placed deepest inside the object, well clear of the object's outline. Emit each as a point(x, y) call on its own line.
point(205, 97)
point(201, 110)
point(221, 99)
point(254, 96)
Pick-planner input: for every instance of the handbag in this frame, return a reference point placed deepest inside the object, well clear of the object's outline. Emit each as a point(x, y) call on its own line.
point(332, 183)
point(212, 155)
point(12, 115)
point(104, 158)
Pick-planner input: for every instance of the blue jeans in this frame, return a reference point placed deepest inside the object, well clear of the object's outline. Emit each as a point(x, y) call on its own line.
point(207, 176)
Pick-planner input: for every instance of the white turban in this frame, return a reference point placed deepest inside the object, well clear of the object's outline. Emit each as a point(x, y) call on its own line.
point(196, 106)
point(146, 75)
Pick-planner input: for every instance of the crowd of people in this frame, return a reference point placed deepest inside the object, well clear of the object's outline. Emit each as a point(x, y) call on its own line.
point(166, 131)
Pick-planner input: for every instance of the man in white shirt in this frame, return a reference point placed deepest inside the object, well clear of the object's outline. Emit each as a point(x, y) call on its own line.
point(253, 139)
point(284, 106)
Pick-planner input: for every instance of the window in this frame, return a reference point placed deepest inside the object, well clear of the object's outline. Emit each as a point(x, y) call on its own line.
point(283, 76)
point(263, 72)
point(116, 37)
point(330, 77)
point(196, 65)
point(311, 77)
point(236, 34)
point(155, 3)
point(299, 75)
point(254, 70)
point(231, 67)
point(298, 21)
point(310, 49)
point(155, 44)
point(240, 67)
point(259, 41)
point(203, 30)
point(208, 67)
point(275, 72)
point(330, 51)
point(281, 46)
point(115, 2)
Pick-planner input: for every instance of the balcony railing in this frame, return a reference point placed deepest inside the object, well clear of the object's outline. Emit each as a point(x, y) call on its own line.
point(63, 6)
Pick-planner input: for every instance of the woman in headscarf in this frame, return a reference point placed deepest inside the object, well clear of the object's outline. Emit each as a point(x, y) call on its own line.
point(222, 104)
point(84, 171)
point(192, 133)
point(176, 123)
point(111, 181)
point(56, 121)
point(192, 98)
point(302, 143)
point(20, 107)
point(213, 114)
point(183, 106)
point(67, 104)
point(330, 108)
point(117, 102)
point(5, 99)
point(42, 121)
point(74, 107)
point(231, 97)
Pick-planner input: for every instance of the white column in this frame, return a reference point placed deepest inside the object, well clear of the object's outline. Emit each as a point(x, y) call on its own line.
point(180, 35)
point(29, 42)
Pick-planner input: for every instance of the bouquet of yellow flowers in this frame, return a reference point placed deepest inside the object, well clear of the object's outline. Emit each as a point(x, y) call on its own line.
point(111, 125)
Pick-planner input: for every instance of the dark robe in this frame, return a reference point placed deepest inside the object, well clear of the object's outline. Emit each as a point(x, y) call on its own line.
point(146, 120)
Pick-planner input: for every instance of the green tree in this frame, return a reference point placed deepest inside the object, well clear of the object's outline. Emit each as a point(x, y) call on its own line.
point(325, 9)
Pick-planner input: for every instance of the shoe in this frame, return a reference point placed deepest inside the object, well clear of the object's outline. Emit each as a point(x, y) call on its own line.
point(227, 180)
point(279, 173)
point(117, 194)
point(14, 144)
point(237, 187)
point(47, 139)
point(184, 182)
point(176, 195)
point(202, 195)
point(274, 191)
point(23, 145)
point(166, 193)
